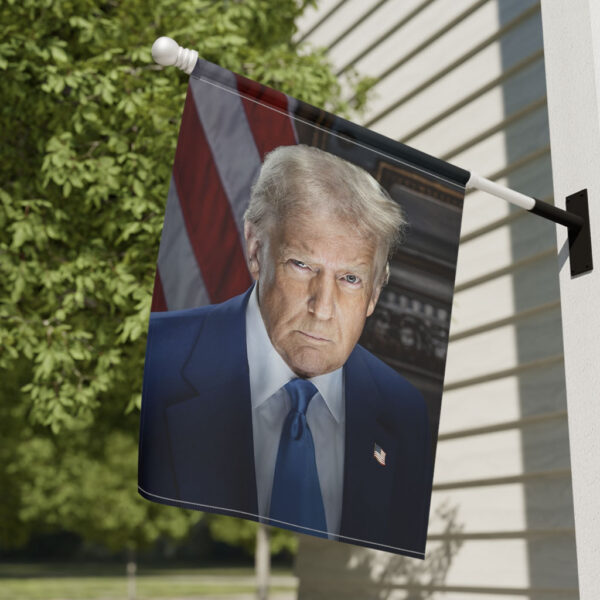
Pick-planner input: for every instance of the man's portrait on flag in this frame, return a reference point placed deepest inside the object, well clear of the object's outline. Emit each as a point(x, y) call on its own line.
point(297, 341)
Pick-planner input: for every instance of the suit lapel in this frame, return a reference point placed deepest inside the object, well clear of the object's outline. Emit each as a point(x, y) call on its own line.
point(211, 432)
point(368, 485)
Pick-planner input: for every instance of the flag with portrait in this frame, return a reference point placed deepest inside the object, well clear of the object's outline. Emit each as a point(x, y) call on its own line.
point(229, 125)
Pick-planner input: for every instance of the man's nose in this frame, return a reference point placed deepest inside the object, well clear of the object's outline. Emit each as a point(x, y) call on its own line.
point(321, 302)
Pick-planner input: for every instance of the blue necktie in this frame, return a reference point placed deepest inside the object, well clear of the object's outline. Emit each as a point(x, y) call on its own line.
point(296, 497)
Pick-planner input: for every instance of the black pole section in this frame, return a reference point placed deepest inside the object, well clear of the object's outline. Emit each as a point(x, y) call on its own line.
point(557, 215)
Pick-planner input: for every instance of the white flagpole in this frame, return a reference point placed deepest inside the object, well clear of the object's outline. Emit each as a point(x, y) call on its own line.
point(485, 185)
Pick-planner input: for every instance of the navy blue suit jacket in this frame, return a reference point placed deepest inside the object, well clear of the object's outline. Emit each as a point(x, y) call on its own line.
point(196, 446)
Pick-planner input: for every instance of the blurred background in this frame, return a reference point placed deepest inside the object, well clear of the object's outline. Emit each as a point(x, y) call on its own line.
point(89, 125)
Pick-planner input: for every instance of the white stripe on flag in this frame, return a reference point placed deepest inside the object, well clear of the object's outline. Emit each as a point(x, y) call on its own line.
point(236, 157)
point(182, 281)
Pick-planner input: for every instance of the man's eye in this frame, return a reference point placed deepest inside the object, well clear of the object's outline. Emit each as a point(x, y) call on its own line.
point(354, 279)
point(299, 264)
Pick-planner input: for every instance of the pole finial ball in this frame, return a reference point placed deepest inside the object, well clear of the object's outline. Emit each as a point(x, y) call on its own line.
point(165, 51)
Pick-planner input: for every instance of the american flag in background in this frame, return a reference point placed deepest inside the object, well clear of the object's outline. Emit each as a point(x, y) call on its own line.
point(229, 124)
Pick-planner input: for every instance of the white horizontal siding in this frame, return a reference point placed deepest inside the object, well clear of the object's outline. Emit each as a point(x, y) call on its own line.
point(495, 508)
point(378, 21)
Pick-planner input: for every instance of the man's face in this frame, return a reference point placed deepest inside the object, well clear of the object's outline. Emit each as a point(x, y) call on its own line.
point(316, 286)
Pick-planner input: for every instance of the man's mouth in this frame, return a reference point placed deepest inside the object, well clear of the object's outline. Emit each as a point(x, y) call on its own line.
point(313, 337)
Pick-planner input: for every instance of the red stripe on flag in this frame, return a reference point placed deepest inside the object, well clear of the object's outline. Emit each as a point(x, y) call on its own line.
point(208, 219)
point(159, 302)
point(270, 128)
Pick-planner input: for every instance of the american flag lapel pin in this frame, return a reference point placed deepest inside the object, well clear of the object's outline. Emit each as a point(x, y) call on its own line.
point(379, 454)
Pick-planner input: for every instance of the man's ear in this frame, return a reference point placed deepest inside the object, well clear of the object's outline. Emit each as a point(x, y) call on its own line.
point(252, 249)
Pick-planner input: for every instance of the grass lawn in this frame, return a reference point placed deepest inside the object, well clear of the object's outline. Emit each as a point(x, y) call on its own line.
point(86, 582)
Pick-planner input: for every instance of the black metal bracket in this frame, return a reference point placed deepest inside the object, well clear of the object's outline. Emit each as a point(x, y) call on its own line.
point(580, 239)
point(577, 219)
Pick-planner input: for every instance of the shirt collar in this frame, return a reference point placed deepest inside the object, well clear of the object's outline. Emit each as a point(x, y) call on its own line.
point(269, 372)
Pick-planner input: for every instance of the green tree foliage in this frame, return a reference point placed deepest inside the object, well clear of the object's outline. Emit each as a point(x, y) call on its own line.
point(240, 532)
point(89, 126)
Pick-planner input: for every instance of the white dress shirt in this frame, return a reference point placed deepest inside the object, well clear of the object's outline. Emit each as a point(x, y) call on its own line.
point(270, 406)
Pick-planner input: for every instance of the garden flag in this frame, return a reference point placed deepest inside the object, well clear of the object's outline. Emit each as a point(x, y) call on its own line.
point(293, 376)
